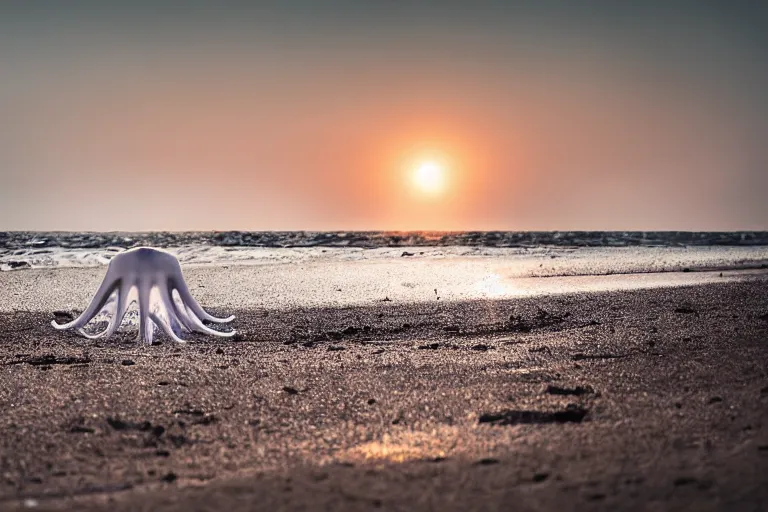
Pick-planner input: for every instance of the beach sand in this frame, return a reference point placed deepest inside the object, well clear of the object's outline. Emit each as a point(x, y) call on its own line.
point(566, 397)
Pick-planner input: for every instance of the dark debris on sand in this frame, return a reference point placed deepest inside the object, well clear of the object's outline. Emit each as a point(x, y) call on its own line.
point(51, 359)
point(576, 391)
point(585, 357)
point(571, 414)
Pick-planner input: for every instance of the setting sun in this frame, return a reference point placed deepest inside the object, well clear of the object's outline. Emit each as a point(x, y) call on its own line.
point(429, 177)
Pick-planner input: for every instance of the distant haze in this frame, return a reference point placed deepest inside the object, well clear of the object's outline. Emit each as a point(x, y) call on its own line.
point(309, 115)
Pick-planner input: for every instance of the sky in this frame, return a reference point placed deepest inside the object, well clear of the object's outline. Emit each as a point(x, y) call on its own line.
point(318, 115)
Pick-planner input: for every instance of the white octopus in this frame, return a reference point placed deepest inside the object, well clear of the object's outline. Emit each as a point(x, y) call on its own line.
point(146, 269)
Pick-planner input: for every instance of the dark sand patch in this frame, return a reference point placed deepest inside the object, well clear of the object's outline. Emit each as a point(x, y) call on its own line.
point(274, 422)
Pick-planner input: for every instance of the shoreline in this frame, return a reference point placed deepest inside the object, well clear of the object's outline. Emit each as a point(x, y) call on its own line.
point(345, 283)
point(528, 261)
point(622, 399)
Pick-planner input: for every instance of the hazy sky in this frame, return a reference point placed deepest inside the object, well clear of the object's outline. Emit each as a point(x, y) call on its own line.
point(313, 115)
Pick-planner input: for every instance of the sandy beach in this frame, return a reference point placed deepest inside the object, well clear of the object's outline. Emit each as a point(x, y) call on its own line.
point(591, 392)
point(388, 255)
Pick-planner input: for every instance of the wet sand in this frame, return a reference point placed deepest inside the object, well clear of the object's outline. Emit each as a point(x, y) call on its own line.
point(338, 283)
point(644, 399)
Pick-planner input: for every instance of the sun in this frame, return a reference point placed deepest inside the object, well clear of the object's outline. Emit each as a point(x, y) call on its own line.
point(429, 178)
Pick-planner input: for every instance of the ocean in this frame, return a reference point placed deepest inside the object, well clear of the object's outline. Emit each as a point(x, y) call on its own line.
point(22, 240)
point(579, 252)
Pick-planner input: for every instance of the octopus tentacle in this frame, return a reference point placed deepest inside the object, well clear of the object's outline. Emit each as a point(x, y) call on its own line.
point(122, 308)
point(177, 323)
point(150, 334)
point(109, 309)
point(189, 300)
point(201, 327)
point(186, 317)
point(173, 309)
point(165, 327)
point(117, 317)
point(102, 296)
point(176, 326)
point(182, 311)
point(145, 327)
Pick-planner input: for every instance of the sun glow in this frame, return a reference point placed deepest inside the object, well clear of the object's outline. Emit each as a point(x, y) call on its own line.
point(429, 178)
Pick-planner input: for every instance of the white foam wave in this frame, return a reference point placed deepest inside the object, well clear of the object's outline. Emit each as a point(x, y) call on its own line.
point(532, 262)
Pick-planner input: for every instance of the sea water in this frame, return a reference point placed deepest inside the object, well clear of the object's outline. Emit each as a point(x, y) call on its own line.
point(535, 254)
